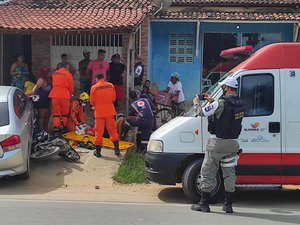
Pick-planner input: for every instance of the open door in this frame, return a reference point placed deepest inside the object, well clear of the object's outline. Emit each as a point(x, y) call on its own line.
point(12, 45)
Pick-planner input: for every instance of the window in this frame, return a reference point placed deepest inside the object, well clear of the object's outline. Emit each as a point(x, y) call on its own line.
point(181, 48)
point(258, 40)
point(214, 77)
point(4, 118)
point(258, 93)
point(214, 43)
point(20, 103)
point(104, 40)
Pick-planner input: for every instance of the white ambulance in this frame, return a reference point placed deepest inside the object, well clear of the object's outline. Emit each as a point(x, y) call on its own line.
point(269, 83)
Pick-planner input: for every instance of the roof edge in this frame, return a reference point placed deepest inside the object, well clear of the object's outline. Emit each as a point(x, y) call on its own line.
point(277, 4)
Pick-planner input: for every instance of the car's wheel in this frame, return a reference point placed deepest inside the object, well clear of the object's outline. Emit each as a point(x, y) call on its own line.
point(191, 182)
point(26, 174)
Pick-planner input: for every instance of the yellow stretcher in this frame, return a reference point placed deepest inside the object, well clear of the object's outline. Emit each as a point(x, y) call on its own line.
point(107, 143)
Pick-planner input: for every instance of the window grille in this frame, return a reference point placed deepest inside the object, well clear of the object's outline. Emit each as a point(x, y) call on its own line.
point(103, 40)
point(181, 48)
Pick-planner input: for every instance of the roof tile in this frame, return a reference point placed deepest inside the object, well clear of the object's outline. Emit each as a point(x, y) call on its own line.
point(72, 14)
point(238, 2)
point(229, 15)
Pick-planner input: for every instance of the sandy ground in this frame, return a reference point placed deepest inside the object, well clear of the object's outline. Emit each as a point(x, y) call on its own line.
point(90, 180)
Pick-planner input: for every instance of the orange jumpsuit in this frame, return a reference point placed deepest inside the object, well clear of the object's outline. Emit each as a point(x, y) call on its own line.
point(62, 90)
point(102, 97)
point(76, 116)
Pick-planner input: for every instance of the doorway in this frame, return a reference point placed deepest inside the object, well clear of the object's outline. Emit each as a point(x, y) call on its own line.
point(214, 66)
point(12, 45)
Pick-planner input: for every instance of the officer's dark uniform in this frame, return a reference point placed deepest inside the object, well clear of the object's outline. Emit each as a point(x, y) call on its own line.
point(222, 147)
point(141, 116)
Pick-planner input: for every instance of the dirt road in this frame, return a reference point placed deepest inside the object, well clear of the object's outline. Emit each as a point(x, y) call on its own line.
point(90, 180)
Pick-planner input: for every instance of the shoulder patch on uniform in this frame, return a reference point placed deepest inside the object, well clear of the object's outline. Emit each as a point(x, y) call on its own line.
point(210, 108)
point(140, 103)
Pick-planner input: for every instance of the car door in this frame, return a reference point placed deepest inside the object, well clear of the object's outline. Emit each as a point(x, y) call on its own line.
point(27, 116)
point(260, 139)
point(20, 102)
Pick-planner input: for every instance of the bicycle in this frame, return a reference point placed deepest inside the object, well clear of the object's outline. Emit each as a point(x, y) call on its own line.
point(167, 109)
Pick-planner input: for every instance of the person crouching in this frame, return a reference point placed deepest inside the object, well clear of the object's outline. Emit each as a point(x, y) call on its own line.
point(77, 115)
point(60, 94)
point(141, 116)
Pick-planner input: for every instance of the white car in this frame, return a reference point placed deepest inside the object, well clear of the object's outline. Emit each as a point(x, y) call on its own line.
point(16, 129)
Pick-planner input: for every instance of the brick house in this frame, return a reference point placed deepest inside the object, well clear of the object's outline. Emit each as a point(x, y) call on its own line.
point(189, 35)
point(44, 29)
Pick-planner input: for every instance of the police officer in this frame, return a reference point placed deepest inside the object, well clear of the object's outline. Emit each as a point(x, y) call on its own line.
point(224, 123)
point(141, 116)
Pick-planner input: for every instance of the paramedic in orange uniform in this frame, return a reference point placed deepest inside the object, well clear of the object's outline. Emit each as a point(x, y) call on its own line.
point(60, 94)
point(77, 115)
point(102, 98)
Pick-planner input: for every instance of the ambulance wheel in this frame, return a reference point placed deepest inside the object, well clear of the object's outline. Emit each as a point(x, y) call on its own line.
point(191, 182)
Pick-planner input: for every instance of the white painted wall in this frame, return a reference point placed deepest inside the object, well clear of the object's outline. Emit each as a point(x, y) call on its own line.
point(75, 53)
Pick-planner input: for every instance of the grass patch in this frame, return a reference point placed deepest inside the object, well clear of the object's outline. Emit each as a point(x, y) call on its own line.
point(132, 169)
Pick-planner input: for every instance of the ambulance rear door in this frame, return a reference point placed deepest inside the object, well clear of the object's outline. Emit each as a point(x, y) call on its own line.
point(290, 81)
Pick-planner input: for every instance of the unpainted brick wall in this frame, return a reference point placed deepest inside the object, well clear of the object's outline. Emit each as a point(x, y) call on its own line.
point(40, 51)
point(144, 45)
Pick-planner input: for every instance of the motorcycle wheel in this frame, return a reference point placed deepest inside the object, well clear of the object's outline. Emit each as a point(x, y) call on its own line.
point(45, 152)
point(70, 155)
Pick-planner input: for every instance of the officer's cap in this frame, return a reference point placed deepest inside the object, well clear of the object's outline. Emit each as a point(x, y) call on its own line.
point(230, 82)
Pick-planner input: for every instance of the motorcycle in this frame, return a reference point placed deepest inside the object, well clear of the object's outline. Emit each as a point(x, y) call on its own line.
point(46, 145)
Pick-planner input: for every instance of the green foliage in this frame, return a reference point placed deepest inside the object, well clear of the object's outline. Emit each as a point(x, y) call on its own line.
point(132, 169)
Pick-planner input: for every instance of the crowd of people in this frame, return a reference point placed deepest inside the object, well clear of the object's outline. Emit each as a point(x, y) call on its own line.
point(101, 85)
